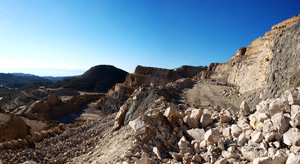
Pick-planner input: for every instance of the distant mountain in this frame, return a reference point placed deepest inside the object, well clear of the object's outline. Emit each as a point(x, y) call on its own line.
point(20, 80)
point(55, 79)
point(97, 79)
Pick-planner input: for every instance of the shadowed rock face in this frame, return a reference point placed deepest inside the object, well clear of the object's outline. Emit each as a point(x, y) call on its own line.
point(284, 71)
point(13, 129)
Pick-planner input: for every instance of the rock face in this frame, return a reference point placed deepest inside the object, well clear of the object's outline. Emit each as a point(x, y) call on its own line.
point(159, 76)
point(268, 64)
point(52, 107)
point(13, 129)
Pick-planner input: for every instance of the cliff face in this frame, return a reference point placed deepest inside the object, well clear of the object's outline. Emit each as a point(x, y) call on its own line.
point(250, 67)
point(159, 76)
point(284, 71)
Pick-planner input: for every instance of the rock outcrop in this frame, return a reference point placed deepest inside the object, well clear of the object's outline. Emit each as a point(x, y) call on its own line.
point(267, 65)
point(15, 128)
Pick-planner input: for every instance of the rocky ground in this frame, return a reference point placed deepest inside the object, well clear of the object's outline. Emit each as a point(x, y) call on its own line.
point(62, 145)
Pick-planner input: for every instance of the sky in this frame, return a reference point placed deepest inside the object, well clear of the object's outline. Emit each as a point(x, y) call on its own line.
point(67, 37)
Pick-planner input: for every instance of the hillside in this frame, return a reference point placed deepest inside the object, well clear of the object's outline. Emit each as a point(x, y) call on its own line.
point(24, 81)
point(97, 79)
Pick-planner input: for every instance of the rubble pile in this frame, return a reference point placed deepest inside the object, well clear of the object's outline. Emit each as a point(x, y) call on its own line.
point(268, 133)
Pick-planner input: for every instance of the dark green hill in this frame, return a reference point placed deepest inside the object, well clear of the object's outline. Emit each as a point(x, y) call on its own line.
point(15, 81)
point(97, 79)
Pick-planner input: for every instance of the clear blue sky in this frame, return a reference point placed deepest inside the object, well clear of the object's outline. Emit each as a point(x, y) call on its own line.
point(67, 37)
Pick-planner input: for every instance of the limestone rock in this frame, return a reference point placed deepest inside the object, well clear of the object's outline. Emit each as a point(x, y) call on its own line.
point(293, 159)
point(196, 114)
point(279, 105)
point(235, 130)
point(191, 122)
point(242, 139)
point(183, 143)
point(227, 155)
point(294, 98)
point(157, 153)
point(205, 120)
point(138, 125)
point(212, 135)
point(280, 122)
point(244, 108)
point(257, 137)
point(197, 134)
point(292, 137)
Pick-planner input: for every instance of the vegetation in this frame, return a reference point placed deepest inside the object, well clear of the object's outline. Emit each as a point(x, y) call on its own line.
point(97, 79)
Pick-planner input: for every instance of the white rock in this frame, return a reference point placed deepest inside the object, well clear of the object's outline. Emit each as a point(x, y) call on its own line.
point(293, 159)
point(191, 122)
point(157, 153)
point(172, 111)
point(242, 139)
point(269, 136)
point(280, 122)
point(279, 105)
point(226, 132)
point(138, 125)
point(235, 130)
point(244, 108)
point(292, 137)
point(212, 135)
point(227, 154)
point(183, 143)
point(196, 114)
point(197, 134)
point(295, 116)
point(257, 137)
point(262, 160)
point(294, 98)
point(205, 120)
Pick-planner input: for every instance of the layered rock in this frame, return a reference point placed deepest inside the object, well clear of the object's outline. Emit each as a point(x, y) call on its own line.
point(264, 62)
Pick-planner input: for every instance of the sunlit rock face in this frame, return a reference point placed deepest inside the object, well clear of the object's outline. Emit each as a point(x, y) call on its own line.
point(251, 67)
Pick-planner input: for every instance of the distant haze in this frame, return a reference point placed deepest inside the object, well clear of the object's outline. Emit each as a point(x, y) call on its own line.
point(65, 38)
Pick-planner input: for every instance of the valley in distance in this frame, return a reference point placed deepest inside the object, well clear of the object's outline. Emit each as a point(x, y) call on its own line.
point(246, 110)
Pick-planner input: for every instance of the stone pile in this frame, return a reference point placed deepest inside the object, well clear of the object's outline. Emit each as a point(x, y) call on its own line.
point(57, 145)
point(267, 134)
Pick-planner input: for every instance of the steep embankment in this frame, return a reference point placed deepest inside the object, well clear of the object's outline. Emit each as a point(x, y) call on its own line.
point(97, 79)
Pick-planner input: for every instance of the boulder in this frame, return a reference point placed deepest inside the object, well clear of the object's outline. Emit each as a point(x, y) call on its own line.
point(196, 114)
point(191, 122)
point(183, 143)
point(44, 133)
point(279, 105)
point(292, 137)
point(280, 123)
point(205, 120)
point(138, 125)
point(173, 111)
point(212, 135)
point(197, 134)
point(257, 137)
